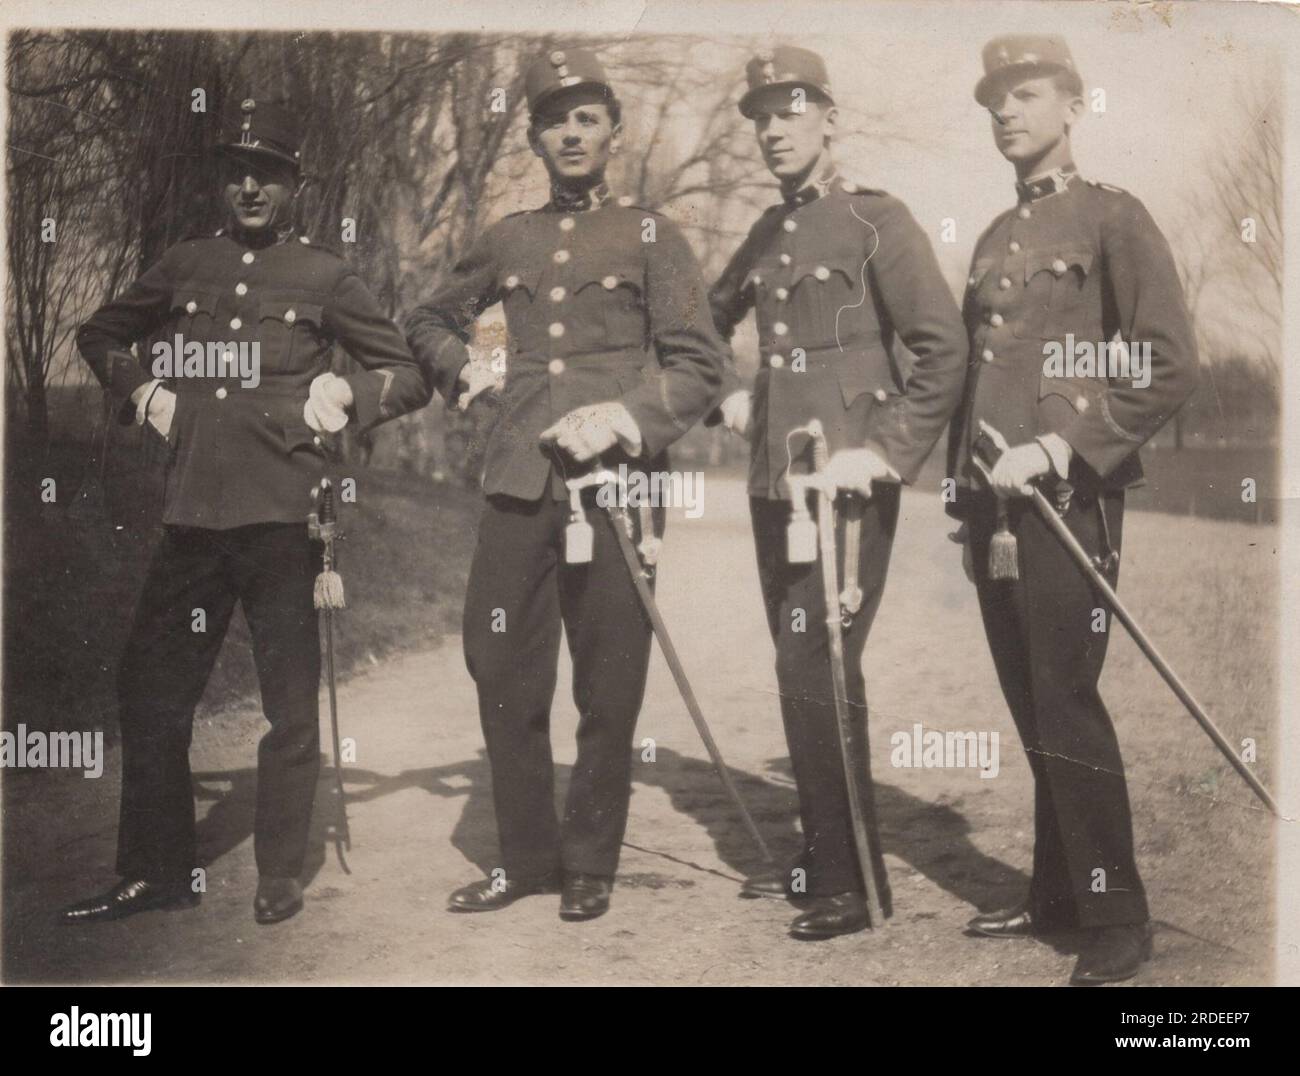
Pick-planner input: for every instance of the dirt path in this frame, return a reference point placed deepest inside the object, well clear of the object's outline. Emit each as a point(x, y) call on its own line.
point(422, 822)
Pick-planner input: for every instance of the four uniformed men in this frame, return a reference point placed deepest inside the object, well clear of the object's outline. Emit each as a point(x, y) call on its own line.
point(839, 276)
point(1073, 261)
point(247, 319)
point(612, 356)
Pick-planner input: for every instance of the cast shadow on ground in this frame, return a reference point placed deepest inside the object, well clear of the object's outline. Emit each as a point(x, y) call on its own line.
point(931, 838)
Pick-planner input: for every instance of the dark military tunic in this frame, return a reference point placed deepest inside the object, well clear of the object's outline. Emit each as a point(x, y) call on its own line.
point(244, 454)
point(597, 311)
point(1086, 260)
point(238, 489)
point(836, 283)
point(838, 276)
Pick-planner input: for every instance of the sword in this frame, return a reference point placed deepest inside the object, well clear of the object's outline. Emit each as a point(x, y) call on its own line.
point(322, 524)
point(641, 575)
point(992, 443)
point(834, 624)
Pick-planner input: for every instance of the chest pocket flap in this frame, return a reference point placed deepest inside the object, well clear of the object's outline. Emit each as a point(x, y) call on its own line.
point(1058, 262)
point(192, 301)
point(291, 312)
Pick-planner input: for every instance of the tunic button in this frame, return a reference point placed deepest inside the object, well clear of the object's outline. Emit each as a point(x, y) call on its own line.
point(757, 279)
point(1058, 267)
point(248, 257)
point(1081, 403)
point(221, 393)
point(822, 273)
point(1014, 247)
point(557, 329)
point(191, 307)
point(609, 283)
point(241, 289)
point(558, 294)
point(785, 259)
point(1023, 212)
point(1004, 283)
point(235, 323)
point(780, 328)
point(555, 366)
point(970, 281)
point(560, 257)
point(776, 362)
point(566, 224)
point(986, 355)
point(316, 441)
point(228, 355)
point(996, 320)
point(782, 294)
point(882, 395)
point(789, 225)
point(512, 281)
point(290, 316)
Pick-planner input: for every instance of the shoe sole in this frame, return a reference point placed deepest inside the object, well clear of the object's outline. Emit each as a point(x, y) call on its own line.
point(1097, 980)
point(265, 919)
point(971, 929)
point(578, 917)
point(822, 935)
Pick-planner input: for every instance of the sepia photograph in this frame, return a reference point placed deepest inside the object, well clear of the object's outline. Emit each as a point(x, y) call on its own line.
point(649, 494)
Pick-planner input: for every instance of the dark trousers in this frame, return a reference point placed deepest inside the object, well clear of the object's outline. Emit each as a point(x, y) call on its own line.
point(270, 569)
point(1049, 657)
point(520, 591)
point(796, 616)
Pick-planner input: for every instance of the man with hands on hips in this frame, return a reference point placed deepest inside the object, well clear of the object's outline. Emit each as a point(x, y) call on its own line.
point(245, 320)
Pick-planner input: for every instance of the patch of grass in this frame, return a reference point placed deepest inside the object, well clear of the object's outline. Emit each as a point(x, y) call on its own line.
point(74, 568)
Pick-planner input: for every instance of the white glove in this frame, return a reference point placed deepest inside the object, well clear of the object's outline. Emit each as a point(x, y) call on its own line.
point(854, 469)
point(587, 432)
point(478, 376)
point(735, 413)
point(162, 409)
point(328, 397)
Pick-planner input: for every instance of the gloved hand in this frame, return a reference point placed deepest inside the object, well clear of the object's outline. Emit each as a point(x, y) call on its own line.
point(736, 413)
point(328, 397)
point(478, 376)
point(854, 469)
point(587, 432)
point(162, 410)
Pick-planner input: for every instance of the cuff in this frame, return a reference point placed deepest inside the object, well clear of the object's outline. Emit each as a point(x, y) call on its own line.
point(626, 430)
point(1058, 452)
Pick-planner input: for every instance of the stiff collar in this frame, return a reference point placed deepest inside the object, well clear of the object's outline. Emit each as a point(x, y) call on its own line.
point(812, 190)
point(259, 240)
point(1049, 183)
point(564, 200)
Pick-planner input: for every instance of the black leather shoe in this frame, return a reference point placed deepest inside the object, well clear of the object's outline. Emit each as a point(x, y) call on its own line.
point(828, 917)
point(585, 896)
point(128, 898)
point(1017, 922)
point(774, 885)
point(1112, 954)
point(277, 899)
point(490, 895)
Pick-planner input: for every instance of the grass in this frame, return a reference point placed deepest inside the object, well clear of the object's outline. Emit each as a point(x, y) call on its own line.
point(73, 571)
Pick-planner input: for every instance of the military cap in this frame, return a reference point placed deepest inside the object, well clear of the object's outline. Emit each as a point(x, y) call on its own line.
point(263, 127)
point(562, 69)
point(1016, 56)
point(784, 65)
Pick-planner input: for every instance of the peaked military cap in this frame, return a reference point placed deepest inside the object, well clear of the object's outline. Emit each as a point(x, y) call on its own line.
point(784, 65)
point(263, 127)
point(562, 69)
point(1016, 56)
